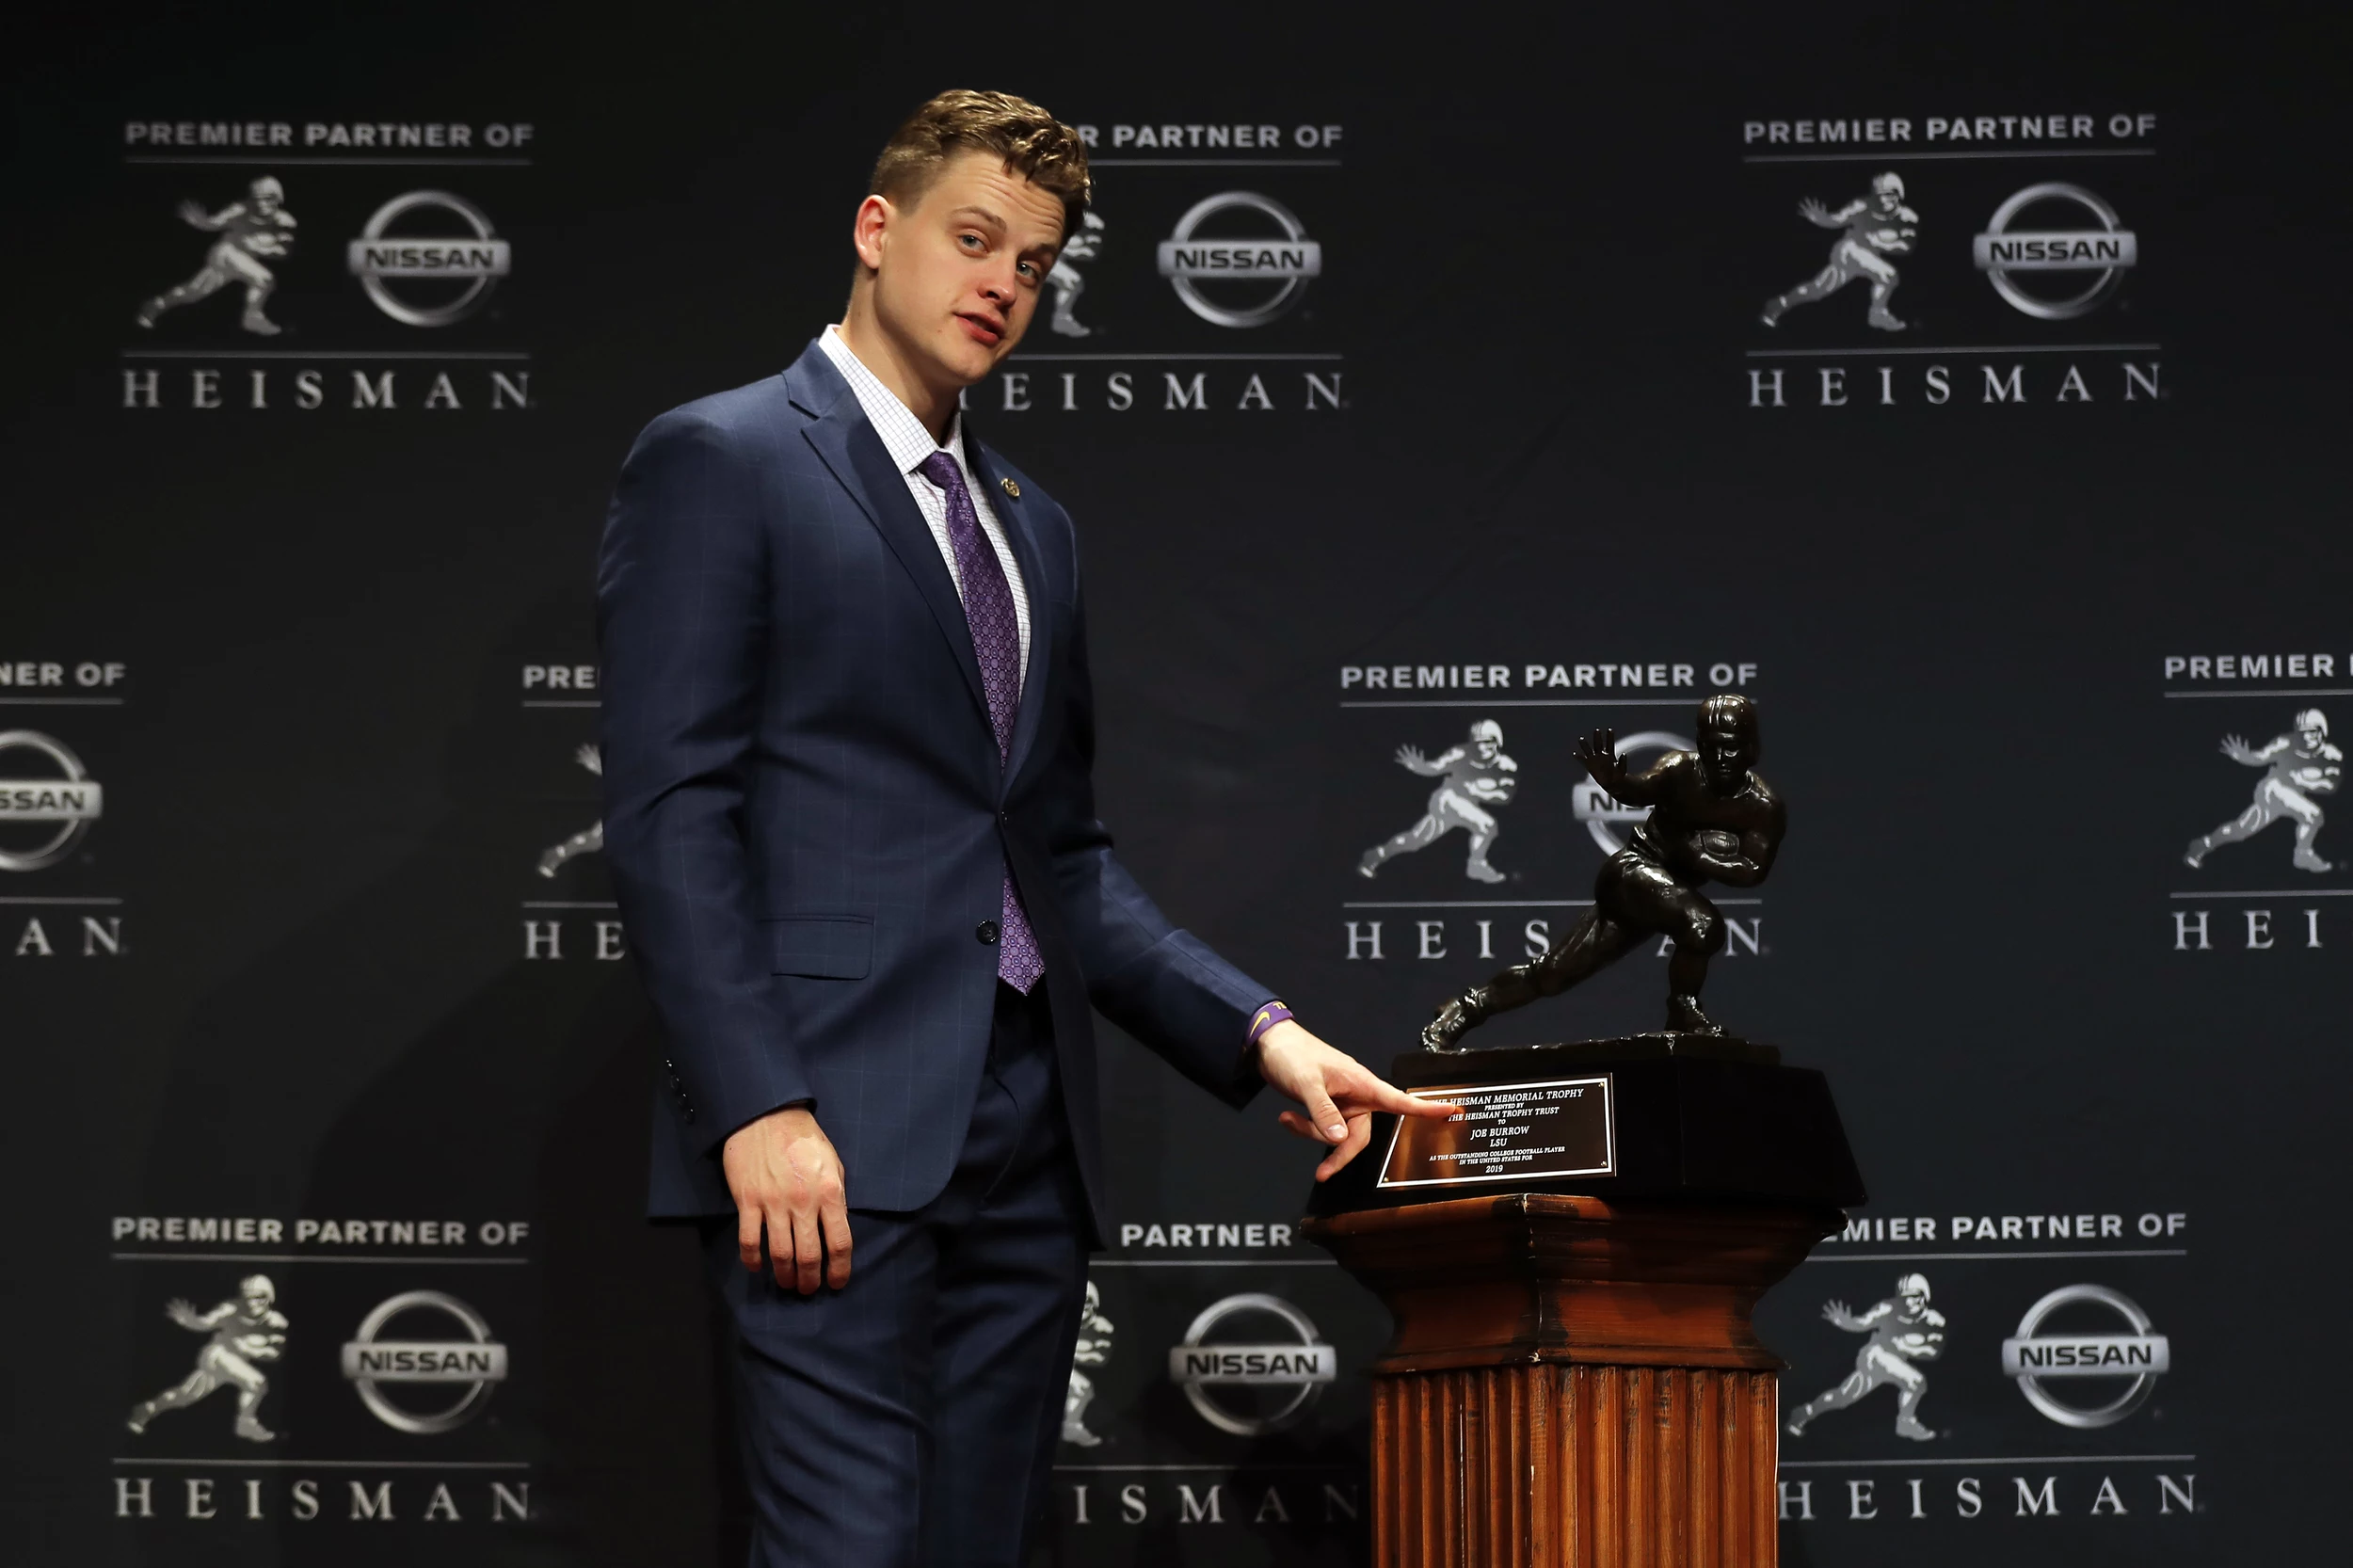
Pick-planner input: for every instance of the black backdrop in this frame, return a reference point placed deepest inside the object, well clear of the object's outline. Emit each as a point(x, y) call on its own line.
point(299, 988)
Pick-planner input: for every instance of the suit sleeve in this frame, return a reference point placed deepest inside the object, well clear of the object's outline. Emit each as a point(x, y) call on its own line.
point(682, 598)
point(1163, 985)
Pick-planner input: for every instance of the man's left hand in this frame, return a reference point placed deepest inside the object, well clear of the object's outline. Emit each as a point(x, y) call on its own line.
point(1340, 1093)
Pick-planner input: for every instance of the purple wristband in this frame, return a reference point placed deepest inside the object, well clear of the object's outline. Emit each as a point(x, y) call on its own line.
point(1266, 1018)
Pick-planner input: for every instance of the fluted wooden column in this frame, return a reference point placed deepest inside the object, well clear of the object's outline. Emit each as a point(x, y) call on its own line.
point(1573, 1381)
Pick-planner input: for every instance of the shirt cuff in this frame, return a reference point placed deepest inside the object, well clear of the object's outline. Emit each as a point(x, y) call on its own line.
point(1266, 1018)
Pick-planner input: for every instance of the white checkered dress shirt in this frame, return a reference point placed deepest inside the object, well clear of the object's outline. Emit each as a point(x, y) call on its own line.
point(910, 445)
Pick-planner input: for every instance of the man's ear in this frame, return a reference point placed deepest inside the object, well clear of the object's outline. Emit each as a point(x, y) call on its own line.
point(869, 229)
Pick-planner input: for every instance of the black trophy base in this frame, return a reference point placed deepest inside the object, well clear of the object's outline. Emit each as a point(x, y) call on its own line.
point(1516, 1062)
point(1694, 1117)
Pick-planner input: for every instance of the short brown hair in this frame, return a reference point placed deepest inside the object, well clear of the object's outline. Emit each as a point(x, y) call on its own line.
point(1036, 145)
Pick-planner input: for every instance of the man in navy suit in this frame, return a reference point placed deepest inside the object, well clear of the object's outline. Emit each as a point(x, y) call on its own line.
point(848, 738)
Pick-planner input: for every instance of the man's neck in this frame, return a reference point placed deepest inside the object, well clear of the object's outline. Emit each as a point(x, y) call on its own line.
point(864, 337)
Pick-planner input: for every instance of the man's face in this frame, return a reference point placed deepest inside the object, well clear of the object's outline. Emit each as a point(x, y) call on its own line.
point(1913, 1303)
point(1725, 753)
point(1484, 748)
point(2311, 738)
point(958, 270)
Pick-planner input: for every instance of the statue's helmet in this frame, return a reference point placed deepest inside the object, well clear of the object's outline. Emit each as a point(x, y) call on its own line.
point(257, 1288)
point(266, 188)
point(1913, 1285)
point(1095, 1299)
point(1890, 185)
point(1487, 730)
point(1729, 711)
point(2313, 720)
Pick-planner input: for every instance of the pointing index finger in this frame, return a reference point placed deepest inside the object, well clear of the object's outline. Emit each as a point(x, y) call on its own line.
point(1397, 1100)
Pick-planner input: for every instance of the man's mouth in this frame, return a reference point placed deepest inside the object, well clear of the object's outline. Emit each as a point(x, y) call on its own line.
point(985, 330)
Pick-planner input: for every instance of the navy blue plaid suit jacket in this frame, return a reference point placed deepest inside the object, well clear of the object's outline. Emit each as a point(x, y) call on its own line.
point(805, 815)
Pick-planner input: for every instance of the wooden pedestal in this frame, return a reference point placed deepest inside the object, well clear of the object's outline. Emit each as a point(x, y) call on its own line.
point(1574, 1380)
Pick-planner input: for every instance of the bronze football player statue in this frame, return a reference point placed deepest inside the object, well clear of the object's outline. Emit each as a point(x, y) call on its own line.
point(1712, 818)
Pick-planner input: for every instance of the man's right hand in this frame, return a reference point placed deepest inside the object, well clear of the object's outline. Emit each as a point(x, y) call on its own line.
point(787, 1181)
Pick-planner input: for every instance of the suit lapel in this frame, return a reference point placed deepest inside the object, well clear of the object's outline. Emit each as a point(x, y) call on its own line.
point(1013, 512)
point(847, 444)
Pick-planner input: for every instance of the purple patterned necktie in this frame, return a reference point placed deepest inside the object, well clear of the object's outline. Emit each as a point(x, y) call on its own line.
point(997, 641)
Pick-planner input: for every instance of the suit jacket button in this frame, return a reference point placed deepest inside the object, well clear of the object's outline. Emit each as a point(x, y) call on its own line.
point(987, 932)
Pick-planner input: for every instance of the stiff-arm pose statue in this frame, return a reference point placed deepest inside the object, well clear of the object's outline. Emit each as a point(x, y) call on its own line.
point(1712, 820)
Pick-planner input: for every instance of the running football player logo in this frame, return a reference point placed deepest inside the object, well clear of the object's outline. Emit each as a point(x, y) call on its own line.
point(252, 231)
point(2297, 767)
point(1066, 281)
point(1904, 1329)
point(244, 1332)
point(1473, 776)
point(1877, 227)
point(1093, 1349)
point(589, 840)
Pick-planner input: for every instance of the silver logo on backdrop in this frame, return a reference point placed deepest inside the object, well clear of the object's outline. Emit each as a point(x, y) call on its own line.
point(1093, 1349)
point(2104, 247)
point(1872, 229)
point(2036, 1359)
point(381, 259)
point(242, 1336)
point(589, 840)
point(1251, 1387)
point(2300, 767)
point(475, 1363)
point(253, 231)
point(1904, 1330)
point(73, 802)
point(1277, 266)
point(1473, 775)
point(1068, 282)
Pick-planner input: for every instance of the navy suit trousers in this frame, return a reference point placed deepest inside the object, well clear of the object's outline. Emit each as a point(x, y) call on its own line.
point(910, 1419)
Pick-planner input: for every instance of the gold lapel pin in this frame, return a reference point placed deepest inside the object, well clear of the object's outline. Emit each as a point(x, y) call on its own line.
point(1011, 488)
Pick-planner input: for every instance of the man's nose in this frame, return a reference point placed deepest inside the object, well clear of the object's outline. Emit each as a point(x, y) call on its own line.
point(999, 288)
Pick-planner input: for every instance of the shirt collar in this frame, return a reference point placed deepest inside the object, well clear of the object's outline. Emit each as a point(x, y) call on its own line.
point(903, 435)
